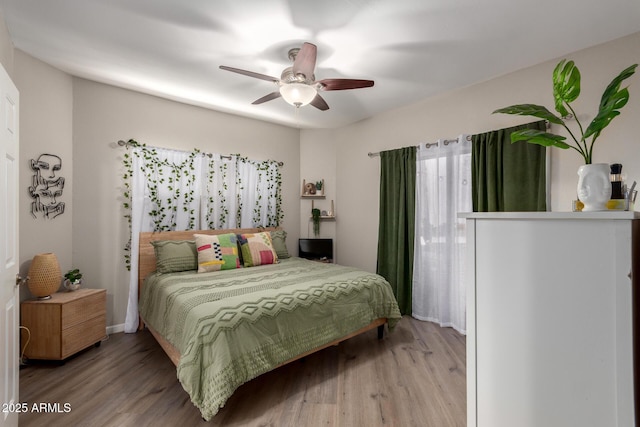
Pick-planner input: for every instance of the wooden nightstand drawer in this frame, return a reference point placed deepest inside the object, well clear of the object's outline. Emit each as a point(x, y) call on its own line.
point(82, 335)
point(79, 310)
point(64, 324)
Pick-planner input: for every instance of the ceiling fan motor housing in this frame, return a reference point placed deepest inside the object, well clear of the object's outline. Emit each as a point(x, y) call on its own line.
point(287, 77)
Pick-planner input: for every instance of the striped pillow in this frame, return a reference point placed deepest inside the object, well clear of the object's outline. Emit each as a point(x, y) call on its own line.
point(279, 240)
point(173, 256)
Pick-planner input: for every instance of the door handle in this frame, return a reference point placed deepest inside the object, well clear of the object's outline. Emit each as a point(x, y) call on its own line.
point(20, 280)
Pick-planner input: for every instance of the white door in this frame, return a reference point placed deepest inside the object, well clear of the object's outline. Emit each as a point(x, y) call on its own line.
point(9, 294)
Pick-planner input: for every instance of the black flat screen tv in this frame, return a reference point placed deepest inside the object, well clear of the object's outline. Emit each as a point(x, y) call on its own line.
point(315, 249)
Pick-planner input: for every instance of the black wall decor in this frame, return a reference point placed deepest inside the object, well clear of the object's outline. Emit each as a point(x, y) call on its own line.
point(46, 186)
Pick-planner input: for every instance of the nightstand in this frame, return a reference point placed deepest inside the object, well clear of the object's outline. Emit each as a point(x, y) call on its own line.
point(65, 324)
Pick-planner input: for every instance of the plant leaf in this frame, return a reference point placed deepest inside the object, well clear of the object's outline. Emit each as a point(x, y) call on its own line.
point(539, 137)
point(531, 110)
point(600, 122)
point(566, 85)
point(613, 99)
point(614, 86)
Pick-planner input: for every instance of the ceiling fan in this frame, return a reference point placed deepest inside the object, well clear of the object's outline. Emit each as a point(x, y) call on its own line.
point(298, 85)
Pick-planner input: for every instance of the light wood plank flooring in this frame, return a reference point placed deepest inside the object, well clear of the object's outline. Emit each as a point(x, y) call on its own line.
point(415, 376)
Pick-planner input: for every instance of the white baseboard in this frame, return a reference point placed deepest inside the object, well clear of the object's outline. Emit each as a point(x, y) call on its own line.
point(115, 329)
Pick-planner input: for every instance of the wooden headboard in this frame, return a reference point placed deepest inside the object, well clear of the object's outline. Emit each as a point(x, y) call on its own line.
point(147, 255)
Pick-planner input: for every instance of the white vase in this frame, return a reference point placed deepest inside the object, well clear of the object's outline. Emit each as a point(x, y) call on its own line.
point(594, 186)
point(72, 286)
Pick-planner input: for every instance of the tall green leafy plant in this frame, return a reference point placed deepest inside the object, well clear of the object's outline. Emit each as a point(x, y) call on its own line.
point(566, 89)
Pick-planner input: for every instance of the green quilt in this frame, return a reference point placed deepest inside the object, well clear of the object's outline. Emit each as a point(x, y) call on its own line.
point(231, 326)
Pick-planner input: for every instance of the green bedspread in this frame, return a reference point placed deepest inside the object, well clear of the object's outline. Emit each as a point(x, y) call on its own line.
point(231, 326)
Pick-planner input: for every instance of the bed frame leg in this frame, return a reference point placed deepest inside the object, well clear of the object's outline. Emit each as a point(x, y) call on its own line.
point(380, 332)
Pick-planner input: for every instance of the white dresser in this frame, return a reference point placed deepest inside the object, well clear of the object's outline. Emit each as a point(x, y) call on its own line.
point(549, 318)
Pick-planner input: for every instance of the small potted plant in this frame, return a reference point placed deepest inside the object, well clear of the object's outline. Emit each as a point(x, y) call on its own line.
point(72, 279)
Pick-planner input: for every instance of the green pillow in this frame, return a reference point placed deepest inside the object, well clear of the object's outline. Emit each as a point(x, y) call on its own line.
point(279, 240)
point(173, 256)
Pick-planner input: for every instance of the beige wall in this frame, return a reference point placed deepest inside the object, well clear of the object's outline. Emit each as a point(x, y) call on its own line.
point(317, 162)
point(45, 127)
point(104, 114)
point(468, 110)
point(6, 47)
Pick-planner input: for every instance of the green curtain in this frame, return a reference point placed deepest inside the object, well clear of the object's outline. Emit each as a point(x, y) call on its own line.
point(508, 177)
point(397, 222)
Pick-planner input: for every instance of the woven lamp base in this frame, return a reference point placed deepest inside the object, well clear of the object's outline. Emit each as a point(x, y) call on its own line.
point(44, 275)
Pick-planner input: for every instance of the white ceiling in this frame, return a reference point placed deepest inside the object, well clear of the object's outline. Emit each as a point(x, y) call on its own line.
point(412, 49)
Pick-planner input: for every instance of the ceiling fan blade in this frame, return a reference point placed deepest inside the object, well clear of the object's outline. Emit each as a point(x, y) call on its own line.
point(320, 103)
point(344, 84)
point(272, 95)
point(305, 62)
point(250, 74)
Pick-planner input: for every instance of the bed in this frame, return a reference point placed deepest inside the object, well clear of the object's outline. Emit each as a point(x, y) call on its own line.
point(224, 328)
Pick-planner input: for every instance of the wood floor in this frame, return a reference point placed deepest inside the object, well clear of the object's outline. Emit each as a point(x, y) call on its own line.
point(415, 376)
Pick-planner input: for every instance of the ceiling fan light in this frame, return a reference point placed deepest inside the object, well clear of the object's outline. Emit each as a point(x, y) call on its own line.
point(298, 94)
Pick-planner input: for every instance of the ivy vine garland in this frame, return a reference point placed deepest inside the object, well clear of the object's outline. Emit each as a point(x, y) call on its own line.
point(172, 177)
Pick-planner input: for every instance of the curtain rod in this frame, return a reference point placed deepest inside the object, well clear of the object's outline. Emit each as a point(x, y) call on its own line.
point(122, 143)
point(428, 145)
point(449, 141)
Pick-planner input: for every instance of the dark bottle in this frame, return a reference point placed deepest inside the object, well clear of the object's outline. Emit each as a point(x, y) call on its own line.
point(616, 181)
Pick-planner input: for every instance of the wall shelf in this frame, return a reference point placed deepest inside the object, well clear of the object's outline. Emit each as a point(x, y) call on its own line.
point(325, 217)
point(309, 190)
point(329, 215)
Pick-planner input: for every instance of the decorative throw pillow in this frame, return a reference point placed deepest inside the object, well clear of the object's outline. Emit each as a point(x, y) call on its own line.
point(257, 249)
point(279, 240)
point(216, 253)
point(173, 256)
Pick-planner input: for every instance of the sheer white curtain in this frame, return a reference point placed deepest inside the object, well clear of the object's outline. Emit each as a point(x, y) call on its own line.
point(260, 192)
point(240, 193)
point(165, 190)
point(443, 189)
point(218, 200)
